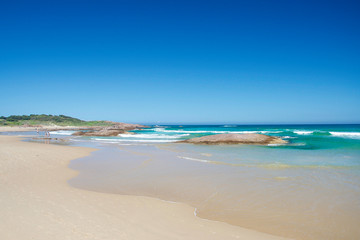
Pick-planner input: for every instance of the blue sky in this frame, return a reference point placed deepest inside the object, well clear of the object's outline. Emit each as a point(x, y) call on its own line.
point(182, 61)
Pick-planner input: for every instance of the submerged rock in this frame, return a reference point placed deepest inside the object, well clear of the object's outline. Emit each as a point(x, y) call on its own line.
point(232, 138)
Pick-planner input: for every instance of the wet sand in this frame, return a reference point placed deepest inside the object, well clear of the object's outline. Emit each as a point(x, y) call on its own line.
point(300, 202)
point(37, 203)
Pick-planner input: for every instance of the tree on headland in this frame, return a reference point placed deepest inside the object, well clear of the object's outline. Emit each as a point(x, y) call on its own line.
point(48, 119)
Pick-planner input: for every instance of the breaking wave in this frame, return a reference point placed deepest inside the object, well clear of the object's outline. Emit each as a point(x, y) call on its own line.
point(355, 135)
point(133, 140)
point(209, 131)
point(303, 132)
point(62, 132)
point(152, 136)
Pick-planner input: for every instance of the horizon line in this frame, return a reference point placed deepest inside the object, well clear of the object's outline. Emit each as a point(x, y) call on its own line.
point(244, 124)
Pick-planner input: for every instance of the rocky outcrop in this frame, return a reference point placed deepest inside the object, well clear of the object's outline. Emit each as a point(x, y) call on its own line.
point(246, 138)
point(109, 131)
point(121, 126)
point(99, 133)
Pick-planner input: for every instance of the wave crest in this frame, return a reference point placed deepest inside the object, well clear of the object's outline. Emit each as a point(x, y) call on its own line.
point(355, 135)
point(153, 136)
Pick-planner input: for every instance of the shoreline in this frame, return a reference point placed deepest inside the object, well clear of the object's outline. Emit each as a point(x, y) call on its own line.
point(38, 202)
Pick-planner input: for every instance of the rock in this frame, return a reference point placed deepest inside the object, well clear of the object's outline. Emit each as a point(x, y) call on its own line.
point(110, 131)
point(128, 133)
point(123, 126)
point(100, 133)
point(246, 138)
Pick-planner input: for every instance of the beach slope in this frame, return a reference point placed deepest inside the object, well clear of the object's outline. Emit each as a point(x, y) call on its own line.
point(37, 203)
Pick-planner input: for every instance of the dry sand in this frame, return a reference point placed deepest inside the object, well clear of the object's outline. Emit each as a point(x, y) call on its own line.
point(17, 129)
point(40, 128)
point(37, 203)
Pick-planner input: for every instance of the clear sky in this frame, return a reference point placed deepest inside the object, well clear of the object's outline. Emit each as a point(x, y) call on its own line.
point(182, 61)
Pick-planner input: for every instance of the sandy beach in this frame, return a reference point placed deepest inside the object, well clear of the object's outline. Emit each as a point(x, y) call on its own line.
point(181, 120)
point(37, 203)
point(17, 129)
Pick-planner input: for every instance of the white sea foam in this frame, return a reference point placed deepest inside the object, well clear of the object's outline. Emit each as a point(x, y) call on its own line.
point(182, 131)
point(133, 140)
point(62, 132)
point(195, 212)
point(194, 159)
point(287, 137)
point(158, 129)
point(297, 144)
point(303, 132)
point(355, 135)
point(270, 132)
point(152, 136)
point(204, 131)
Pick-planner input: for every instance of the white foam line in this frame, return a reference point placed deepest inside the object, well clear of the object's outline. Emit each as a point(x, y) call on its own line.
point(286, 137)
point(132, 140)
point(355, 135)
point(152, 136)
point(200, 131)
point(195, 212)
point(303, 132)
point(62, 132)
point(194, 159)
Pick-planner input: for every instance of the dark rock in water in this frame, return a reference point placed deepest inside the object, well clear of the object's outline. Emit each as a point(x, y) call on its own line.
point(128, 133)
point(100, 133)
point(49, 139)
point(231, 138)
point(121, 126)
point(109, 131)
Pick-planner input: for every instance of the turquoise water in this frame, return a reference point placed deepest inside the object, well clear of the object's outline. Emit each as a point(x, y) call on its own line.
point(309, 145)
point(301, 136)
point(306, 189)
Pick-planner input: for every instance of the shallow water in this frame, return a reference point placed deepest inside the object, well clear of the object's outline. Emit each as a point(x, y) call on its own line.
point(303, 201)
point(307, 189)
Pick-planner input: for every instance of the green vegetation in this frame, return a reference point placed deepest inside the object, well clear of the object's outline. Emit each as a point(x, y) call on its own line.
point(43, 119)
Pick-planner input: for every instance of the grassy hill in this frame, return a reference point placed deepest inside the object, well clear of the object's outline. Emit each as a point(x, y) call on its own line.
point(43, 119)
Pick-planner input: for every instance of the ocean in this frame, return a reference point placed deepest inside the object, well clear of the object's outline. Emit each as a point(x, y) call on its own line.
point(306, 189)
